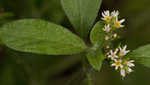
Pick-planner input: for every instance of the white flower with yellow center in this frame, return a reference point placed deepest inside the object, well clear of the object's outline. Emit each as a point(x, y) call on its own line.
point(113, 55)
point(115, 14)
point(106, 16)
point(107, 28)
point(123, 51)
point(118, 23)
point(117, 64)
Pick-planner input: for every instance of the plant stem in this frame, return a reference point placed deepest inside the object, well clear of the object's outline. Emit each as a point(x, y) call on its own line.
point(89, 79)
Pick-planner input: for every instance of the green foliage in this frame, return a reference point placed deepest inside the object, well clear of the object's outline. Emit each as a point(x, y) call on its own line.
point(96, 58)
point(37, 36)
point(82, 14)
point(40, 37)
point(56, 15)
point(97, 34)
point(142, 55)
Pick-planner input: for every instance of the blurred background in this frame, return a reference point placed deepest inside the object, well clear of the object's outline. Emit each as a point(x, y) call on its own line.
point(18, 68)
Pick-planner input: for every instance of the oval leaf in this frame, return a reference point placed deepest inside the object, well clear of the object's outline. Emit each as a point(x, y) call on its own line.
point(82, 14)
point(95, 58)
point(37, 36)
point(97, 35)
point(142, 55)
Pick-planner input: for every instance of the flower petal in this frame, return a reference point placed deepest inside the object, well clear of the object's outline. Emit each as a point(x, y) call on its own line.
point(123, 73)
point(130, 70)
point(121, 21)
point(116, 67)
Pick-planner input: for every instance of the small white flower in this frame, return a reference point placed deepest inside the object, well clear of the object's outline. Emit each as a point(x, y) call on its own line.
point(123, 51)
point(129, 70)
point(115, 13)
point(113, 55)
point(117, 64)
point(123, 72)
point(118, 23)
point(130, 63)
point(107, 28)
point(106, 16)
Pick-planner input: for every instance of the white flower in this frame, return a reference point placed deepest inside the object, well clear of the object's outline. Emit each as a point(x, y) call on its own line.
point(129, 70)
point(123, 51)
point(123, 72)
point(106, 16)
point(118, 23)
point(115, 13)
point(117, 64)
point(130, 63)
point(107, 28)
point(113, 55)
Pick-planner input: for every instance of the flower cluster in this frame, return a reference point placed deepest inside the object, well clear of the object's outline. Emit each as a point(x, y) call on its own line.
point(118, 56)
point(112, 23)
point(120, 61)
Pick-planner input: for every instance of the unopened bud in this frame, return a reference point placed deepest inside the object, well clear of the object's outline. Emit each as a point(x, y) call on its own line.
point(106, 38)
point(107, 54)
point(115, 35)
point(107, 47)
point(116, 49)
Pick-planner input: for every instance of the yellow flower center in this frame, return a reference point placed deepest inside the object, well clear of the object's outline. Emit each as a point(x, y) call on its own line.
point(118, 63)
point(107, 18)
point(117, 24)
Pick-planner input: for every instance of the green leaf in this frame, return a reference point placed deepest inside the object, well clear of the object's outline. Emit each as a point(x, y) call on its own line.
point(142, 55)
point(37, 36)
point(97, 35)
point(82, 14)
point(95, 58)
